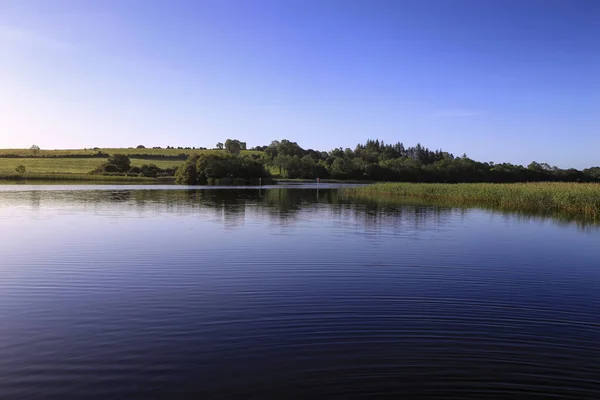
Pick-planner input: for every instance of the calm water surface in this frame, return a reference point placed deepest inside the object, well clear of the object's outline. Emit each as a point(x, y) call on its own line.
point(137, 292)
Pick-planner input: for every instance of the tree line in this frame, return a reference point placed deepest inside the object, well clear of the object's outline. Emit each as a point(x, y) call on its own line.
point(373, 160)
point(379, 161)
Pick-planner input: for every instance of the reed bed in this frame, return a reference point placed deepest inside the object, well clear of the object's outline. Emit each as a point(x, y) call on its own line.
point(580, 200)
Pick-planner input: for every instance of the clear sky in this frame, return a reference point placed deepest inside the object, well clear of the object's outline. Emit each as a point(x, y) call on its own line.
point(505, 80)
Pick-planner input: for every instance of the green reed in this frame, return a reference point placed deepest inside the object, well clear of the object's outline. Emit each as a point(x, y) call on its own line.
point(580, 200)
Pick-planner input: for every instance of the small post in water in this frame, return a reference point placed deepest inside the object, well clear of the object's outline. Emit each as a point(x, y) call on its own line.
point(318, 181)
point(260, 182)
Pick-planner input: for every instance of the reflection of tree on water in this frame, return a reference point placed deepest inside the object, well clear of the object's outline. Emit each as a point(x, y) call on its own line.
point(35, 199)
point(66, 197)
point(373, 218)
point(282, 202)
point(119, 195)
point(232, 204)
point(290, 200)
point(229, 206)
point(280, 205)
point(285, 205)
point(278, 202)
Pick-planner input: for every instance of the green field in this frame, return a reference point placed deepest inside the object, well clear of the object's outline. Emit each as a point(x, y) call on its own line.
point(70, 165)
point(47, 162)
point(577, 200)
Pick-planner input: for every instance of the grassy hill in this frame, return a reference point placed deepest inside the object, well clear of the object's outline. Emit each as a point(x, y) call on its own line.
point(81, 161)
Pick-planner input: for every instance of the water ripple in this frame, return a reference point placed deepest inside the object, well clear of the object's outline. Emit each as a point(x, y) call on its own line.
point(180, 294)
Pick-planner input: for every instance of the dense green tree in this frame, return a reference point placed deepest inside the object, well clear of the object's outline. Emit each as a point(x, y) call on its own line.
point(120, 162)
point(289, 148)
point(272, 150)
point(592, 173)
point(233, 146)
point(187, 173)
point(341, 168)
point(210, 168)
point(150, 170)
point(285, 148)
point(282, 162)
point(308, 167)
point(539, 167)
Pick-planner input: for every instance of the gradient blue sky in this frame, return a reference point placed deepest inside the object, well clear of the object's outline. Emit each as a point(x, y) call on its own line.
point(500, 80)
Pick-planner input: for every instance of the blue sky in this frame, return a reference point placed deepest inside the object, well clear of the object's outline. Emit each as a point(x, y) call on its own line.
point(500, 80)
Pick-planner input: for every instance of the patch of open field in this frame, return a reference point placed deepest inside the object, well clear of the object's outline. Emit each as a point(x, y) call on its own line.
point(70, 165)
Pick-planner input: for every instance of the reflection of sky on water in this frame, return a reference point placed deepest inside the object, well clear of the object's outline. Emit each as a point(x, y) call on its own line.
point(292, 282)
point(262, 218)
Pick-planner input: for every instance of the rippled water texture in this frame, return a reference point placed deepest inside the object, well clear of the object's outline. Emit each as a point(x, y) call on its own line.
point(289, 293)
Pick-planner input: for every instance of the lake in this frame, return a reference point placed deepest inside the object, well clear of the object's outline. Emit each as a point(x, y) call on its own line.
point(121, 292)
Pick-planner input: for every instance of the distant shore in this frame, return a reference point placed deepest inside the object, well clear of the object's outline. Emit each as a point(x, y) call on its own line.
point(281, 160)
point(76, 164)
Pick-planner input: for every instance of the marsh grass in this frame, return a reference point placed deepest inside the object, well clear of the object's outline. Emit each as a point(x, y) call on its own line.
point(576, 200)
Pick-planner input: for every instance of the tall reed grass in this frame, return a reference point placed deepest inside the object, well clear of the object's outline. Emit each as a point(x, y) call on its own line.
point(580, 200)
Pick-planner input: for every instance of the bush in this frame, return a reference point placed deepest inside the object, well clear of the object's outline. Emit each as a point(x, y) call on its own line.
point(119, 162)
point(109, 168)
point(150, 171)
point(186, 173)
point(21, 169)
point(233, 146)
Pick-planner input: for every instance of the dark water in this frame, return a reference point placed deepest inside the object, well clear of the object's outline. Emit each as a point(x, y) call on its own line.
point(135, 293)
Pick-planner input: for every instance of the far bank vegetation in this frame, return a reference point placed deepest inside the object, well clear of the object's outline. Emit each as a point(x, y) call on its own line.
point(371, 161)
point(222, 170)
